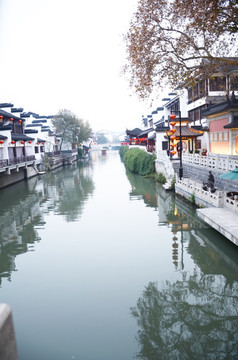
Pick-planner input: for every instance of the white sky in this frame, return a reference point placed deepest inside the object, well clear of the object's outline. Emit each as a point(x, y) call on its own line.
point(67, 54)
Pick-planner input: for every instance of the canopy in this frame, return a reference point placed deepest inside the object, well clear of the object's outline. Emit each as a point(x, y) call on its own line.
point(231, 175)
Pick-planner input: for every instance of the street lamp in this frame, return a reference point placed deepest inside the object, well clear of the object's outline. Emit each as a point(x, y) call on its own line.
point(180, 144)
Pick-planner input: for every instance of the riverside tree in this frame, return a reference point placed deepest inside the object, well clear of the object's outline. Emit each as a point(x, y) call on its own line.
point(172, 42)
point(70, 128)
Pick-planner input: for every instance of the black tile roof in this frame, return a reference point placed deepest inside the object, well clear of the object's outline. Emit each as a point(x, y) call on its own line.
point(233, 124)
point(9, 115)
point(3, 137)
point(145, 132)
point(133, 132)
point(17, 137)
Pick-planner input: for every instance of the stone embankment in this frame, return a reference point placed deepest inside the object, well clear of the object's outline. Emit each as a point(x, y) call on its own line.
point(8, 348)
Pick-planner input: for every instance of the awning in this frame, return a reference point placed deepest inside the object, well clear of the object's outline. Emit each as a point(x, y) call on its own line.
point(231, 175)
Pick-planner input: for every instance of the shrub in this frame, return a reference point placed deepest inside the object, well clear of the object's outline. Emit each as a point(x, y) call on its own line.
point(123, 149)
point(139, 162)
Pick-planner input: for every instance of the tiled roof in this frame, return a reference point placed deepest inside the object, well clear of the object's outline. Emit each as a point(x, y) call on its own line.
point(133, 132)
point(185, 131)
point(145, 132)
point(17, 137)
point(233, 124)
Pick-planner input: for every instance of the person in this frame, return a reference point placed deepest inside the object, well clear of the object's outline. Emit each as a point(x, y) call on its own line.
point(210, 180)
point(209, 183)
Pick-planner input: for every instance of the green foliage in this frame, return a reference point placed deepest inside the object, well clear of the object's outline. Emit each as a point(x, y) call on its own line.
point(80, 153)
point(160, 178)
point(123, 150)
point(139, 162)
point(70, 128)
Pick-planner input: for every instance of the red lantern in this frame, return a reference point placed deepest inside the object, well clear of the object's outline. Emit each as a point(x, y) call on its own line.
point(1, 141)
point(43, 143)
point(20, 121)
point(173, 152)
point(1, 117)
point(29, 142)
point(12, 142)
point(11, 119)
point(22, 142)
point(173, 137)
point(172, 116)
point(37, 143)
point(173, 123)
point(173, 145)
point(173, 130)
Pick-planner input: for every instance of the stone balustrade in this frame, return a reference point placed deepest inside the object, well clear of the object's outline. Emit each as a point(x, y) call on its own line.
point(212, 161)
point(189, 188)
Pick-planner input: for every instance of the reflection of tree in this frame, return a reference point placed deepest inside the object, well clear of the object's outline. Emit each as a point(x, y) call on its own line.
point(143, 188)
point(67, 190)
point(195, 318)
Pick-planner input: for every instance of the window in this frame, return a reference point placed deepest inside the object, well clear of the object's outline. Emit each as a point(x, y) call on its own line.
point(217, 83)
point(36, 149)
point(215, 136)
point(220, 136)
point(225, 136)
point(211, 137)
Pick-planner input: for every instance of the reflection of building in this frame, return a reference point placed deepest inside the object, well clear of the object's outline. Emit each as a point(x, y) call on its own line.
point(63, 192)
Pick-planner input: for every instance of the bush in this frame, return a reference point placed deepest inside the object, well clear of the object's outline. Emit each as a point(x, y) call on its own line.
point(139, 162)
point(123, 149)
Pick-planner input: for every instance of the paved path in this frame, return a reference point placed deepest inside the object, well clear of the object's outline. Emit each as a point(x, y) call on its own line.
point(224, 221)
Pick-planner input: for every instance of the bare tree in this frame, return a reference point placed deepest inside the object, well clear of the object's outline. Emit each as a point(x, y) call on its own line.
point(175, 41)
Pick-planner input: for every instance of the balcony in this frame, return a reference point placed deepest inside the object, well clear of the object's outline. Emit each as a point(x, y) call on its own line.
point(15, 163)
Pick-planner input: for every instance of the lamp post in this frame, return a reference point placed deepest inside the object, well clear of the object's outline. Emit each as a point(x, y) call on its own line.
point(180, 145)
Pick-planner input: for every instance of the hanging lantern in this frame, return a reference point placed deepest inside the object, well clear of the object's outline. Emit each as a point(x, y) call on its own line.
point(1, 117)
point(173, 137)
point(173, 145)
point(11, 119)
point(20, 121)
point(173, 123)
point(173, 152)
point(173, 131)
point(43, 143)
point(1, 142)
point(22, 142)
point(29, 142)
point(37, 143)
point(172, 116)
point(12, 142)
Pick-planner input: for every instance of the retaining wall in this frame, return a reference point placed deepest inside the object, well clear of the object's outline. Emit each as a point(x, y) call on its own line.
point(8, 348)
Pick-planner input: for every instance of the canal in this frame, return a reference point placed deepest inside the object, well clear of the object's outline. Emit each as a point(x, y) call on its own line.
point(99, 264)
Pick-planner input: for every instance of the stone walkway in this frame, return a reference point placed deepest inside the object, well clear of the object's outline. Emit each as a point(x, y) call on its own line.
point(222, 220)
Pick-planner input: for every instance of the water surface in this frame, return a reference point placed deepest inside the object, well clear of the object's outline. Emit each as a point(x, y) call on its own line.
point(101, 264)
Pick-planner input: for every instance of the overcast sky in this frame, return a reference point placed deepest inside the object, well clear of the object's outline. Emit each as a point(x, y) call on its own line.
point(67, 54)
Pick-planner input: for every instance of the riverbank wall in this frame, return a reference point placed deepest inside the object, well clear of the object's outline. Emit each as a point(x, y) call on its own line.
point(8, 347)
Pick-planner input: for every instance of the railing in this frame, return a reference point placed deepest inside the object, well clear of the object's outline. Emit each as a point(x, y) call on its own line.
point(213, 161)
point(218, 198)
point(52, 153)
point(16, 161)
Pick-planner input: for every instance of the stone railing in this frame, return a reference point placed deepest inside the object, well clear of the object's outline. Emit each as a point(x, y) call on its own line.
point(218, 198)
point(196, 189)
point(212, 161)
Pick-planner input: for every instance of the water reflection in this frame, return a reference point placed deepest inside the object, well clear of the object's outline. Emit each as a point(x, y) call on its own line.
point(189, 319)
point(24, 205)
point(197, 316)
